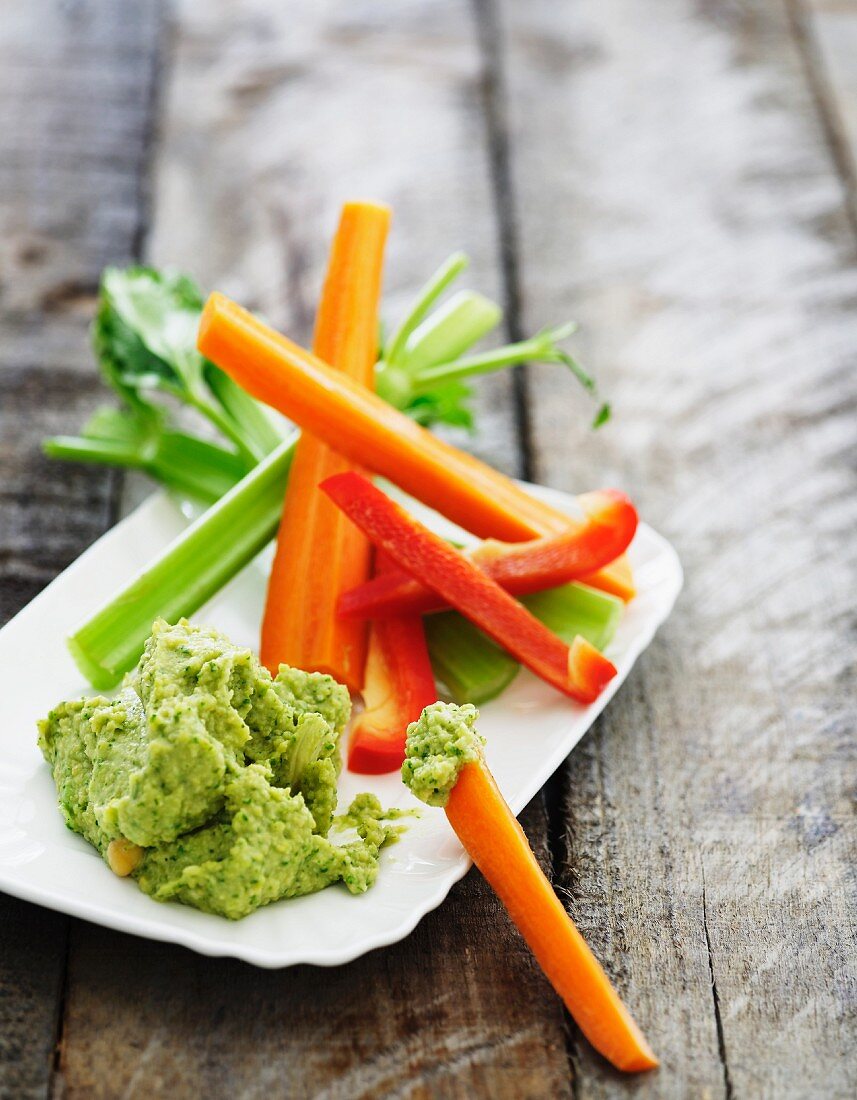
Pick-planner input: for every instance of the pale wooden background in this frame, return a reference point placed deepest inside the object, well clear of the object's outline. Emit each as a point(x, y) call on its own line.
point(679, 176)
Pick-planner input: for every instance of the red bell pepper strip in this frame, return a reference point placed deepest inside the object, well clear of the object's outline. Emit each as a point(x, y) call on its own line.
point(398, 685)
point(578, 671)
point(519, 567)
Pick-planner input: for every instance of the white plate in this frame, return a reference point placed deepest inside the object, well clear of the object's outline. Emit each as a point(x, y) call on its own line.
point(530, 731)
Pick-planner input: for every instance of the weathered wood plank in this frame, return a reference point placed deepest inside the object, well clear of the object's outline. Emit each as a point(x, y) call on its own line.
point(75, 86)
point(827, 32)
point(304, 110)
point(458, 1009)
point(674, 191)
point(32, 962)
point(272, 119)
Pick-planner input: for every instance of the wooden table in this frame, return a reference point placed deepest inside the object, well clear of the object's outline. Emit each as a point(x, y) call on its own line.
point(679, 177)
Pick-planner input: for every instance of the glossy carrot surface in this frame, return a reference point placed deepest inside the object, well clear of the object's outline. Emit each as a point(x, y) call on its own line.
point(320, 555)
point(495, 841)
point(367, 430)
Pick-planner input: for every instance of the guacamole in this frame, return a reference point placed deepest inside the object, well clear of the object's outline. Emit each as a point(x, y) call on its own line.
point(439, 744)
point(211, 782)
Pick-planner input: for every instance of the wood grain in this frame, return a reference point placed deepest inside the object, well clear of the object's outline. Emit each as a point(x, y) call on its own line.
point(272, 118)
point(674, 191)
point(458, 1009)
point(673, 175)
point(75, 87)
point(827, 33)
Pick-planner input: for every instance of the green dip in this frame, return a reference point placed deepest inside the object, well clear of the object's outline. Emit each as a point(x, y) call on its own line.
point(439, 744)
point(222, 778)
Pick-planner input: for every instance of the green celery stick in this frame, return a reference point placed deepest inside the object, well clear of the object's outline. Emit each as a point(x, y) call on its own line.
point(474, 669)
point(185, 464)
point(471, 667)
point(574, 609)
point(541, 348)
point(445, 275)
point(187, 574)
point(445, 334)
point(451, 330)
point(257, 428)
point(195, 467)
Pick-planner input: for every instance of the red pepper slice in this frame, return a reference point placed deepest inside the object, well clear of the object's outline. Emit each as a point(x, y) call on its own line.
point(519, 567)
point(579, 671)
point(398, 685)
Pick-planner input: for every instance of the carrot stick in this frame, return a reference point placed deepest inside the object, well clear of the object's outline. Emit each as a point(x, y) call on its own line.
point(319, 553)
point(445, 766)
point(617, 579)
point(496, 842)
point(365, 429)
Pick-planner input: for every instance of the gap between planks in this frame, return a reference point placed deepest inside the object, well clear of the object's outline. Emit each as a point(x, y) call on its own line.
point(495, 93)
point(827, 75)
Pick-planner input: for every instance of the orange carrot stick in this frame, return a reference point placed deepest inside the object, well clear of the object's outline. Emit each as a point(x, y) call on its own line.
point(616, 578)
point(496, 842)
point(366, 429)
point(319, 553)
point(445, 766)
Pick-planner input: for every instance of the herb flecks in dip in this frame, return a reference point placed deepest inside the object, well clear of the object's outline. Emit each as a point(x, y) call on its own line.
point(211, 782)
point(439, 744)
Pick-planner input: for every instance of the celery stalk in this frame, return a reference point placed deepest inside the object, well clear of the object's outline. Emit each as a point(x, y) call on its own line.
point(188, 573)
point(574, 609)
point(185, 464)
point(450, 331)
point(469, 665)
point(542, 348)
point(256, 426)
point(103, 452)
point(446, 274)
point(195, 467)
point(474, 669)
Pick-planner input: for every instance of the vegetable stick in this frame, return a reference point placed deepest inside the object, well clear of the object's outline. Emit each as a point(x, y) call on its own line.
point(579, 670)
point(521, 568)
point(399, 684)
point(617, 579)
point(195, 565)
point(610, 524)
point(474, 670)
point(319, 554)
point(471, 667)
point(365, 429)
point(450, 331)
point(497, 845)
point(440, 281)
